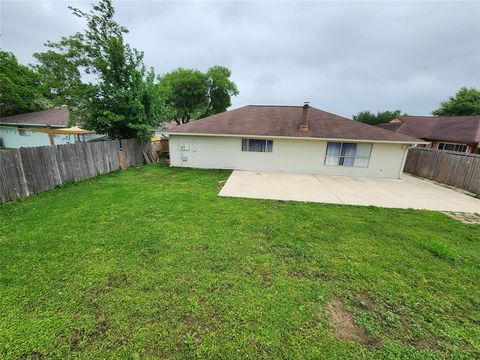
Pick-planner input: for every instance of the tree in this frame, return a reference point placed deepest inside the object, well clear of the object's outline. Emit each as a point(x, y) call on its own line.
point(185, 92)
point(121, 101)
point(368, 117)
point(191, 94)
point(62, 83)
point(20, 90)
point(220, 90)
point(465, 102)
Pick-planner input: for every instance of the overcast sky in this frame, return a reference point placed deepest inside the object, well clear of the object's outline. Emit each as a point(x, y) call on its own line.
point(343, 57)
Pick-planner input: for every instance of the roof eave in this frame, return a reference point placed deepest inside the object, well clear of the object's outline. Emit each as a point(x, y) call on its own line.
point(457, 140)
point(29, 124)
point(413, 141)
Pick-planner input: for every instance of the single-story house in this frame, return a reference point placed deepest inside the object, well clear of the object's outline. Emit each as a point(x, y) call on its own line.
point(454, 133)
point(39, 128)
point(291, 139)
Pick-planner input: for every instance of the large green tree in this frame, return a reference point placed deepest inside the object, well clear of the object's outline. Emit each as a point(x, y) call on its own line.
point(220, 90)
point(20, 87)
point(185, 92)
point(465, 102)
point(121, 100)
point(191, 94)
point(380, 117)
point(62, 83)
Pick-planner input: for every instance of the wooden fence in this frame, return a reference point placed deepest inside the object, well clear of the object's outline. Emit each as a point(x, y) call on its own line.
point(456, 169)
point(28, 171)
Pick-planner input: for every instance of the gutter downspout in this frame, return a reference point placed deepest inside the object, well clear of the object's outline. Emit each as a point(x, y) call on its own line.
point(404, 159)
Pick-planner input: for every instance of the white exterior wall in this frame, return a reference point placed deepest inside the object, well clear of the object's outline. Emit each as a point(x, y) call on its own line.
point(289, 155)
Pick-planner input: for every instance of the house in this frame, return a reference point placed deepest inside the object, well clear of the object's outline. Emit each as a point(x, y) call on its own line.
point(40, 128)
point(165, 128)
point(456, 133)
point(291, 139)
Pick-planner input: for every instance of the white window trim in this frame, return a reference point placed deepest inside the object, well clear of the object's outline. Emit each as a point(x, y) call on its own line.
point(454, 144)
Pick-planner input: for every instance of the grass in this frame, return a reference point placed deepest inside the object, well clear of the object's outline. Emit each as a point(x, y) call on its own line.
point(151, 263)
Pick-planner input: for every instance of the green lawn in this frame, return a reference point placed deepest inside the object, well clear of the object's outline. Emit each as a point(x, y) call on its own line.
point(151, 263)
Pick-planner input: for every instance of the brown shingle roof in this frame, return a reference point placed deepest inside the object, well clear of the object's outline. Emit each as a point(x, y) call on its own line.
point(390, 126)
point(263, 120)
point(57, 116)
point(465, 129)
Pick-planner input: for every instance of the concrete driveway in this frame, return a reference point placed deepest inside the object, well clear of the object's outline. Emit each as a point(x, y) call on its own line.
point(409, 192)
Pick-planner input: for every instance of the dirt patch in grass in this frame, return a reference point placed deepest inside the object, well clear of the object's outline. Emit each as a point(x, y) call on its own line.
point(197, 326)
point(423, 344)
point(33, 355)
point(192, 338)
point(266, 278)
point(366, 302)
point(311, 274)
point(117, 280)
point(81, 338)
point(344, 325)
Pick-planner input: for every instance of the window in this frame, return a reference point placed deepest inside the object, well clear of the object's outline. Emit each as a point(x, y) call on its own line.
point(348, 154)
point(257, 145)
point(23, 132)
point(452, 147)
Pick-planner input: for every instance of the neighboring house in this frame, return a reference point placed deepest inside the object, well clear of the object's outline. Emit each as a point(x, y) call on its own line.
point(456, 133)
point(289, 138)
point(165, 129)
point(32, 129)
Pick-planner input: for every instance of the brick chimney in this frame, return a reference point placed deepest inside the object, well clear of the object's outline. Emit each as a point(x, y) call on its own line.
point(304, 125)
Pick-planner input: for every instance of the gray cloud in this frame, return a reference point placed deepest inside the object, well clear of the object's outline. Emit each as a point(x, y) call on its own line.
point(343, 57)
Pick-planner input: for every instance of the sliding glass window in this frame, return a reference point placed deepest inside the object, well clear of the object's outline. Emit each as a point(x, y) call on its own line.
point(257, 145)
point(348, 154)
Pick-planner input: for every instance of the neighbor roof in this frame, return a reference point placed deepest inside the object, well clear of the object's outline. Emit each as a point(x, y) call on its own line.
point(264, 120)
point(56, 116)
point(465, 129)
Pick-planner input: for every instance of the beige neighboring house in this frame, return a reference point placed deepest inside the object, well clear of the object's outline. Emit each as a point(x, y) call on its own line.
point(454, 133)
point(299, 139)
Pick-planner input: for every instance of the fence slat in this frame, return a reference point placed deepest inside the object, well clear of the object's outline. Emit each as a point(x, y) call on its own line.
point(460, 170)
point(28, 171)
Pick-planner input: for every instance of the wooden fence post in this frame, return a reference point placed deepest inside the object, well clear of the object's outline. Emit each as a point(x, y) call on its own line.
point(121, 159)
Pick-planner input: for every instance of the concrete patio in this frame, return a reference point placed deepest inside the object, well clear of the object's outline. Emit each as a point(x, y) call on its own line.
point(408, 192)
